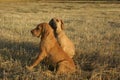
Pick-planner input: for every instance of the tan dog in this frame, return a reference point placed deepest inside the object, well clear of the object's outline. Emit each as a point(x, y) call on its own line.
point(63, 40)
point(50, 48)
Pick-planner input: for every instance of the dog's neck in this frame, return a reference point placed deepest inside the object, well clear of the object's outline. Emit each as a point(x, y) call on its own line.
point(46, 33)
point(60, 33)
point(47, 39)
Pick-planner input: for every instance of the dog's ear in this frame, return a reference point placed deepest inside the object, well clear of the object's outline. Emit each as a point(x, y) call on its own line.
point(45, 30)
point(62, 25)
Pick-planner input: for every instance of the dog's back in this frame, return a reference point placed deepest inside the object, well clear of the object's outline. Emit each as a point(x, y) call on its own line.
point(57, 55)
point(61, 59)
point(66, 44)
point(63, 40)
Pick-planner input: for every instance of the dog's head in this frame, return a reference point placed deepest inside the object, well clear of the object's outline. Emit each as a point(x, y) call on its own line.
point(56, 24)
point(41, 29)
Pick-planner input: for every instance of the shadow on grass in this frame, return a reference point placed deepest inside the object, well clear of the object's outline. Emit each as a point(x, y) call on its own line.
point(25, 52)
point(18, 51)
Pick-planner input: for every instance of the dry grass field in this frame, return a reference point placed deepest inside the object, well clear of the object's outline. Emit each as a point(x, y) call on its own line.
point(94, 29)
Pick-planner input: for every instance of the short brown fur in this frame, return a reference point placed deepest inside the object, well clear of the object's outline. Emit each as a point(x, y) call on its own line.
point(50, 48)
point(66, 44)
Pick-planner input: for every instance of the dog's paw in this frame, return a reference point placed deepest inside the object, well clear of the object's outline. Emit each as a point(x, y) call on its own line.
point(29, 68)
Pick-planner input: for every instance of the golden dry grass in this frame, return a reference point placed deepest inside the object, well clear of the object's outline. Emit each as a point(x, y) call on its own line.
point(94, 29)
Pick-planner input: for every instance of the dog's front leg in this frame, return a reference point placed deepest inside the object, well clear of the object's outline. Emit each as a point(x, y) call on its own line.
point(40, 57)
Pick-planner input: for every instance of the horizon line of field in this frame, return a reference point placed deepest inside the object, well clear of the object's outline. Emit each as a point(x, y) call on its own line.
point(84, 1)
point(92, 2)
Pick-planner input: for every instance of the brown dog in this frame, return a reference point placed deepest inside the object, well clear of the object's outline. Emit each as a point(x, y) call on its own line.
point(63, 40)
point(50, 48)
